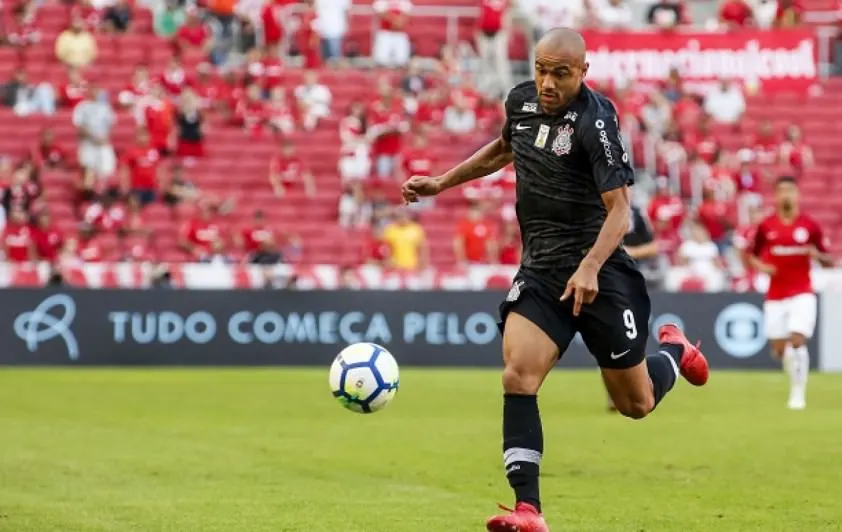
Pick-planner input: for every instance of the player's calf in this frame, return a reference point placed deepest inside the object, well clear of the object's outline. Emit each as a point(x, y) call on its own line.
point(528, 355)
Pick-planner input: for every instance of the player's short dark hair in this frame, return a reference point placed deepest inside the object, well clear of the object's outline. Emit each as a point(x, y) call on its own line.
point(786, 179)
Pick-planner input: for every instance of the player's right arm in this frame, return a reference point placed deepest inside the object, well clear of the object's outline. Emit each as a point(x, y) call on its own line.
point(490, 158)
point(756, 249)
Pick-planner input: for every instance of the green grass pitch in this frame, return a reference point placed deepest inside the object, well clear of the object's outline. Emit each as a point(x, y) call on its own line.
point(271, 450)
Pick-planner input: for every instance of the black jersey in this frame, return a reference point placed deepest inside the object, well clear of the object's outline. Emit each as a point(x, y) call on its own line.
point(563, 162)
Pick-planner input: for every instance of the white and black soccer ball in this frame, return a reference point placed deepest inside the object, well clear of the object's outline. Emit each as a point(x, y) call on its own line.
point(364, 377)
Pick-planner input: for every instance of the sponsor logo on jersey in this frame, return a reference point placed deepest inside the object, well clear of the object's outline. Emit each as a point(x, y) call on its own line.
point(543, 133)
point(529, 107)
point(571, 115)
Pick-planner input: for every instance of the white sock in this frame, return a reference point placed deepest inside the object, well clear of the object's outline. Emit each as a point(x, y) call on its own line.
point(802, 369)
point(789, 363)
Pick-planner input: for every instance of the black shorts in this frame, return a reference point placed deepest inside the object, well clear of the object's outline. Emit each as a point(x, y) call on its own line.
point(615, 327)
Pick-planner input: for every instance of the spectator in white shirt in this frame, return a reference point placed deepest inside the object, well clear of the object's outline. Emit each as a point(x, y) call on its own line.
point(656, 114)
point(553, 14)
point(313, 100)
point(354, 208)
point(700, 255)
point(612, 14)
point(459, 118)
point(725, 103)
point(392, 48)
point(332, 25)
point(94, 119)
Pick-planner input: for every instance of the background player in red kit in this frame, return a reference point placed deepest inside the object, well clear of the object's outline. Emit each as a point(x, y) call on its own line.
point(784, 245)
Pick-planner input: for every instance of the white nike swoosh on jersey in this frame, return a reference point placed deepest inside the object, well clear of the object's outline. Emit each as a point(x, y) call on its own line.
point(619, 355)
point(521, 128)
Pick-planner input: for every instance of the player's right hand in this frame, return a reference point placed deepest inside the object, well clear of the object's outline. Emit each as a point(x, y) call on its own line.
point(768, 269)
point(419, 186)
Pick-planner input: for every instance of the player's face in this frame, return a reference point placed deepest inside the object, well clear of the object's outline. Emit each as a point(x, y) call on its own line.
point(786, 195)
point(558, 78)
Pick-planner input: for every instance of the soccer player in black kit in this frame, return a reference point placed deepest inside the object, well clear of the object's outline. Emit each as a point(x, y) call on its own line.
point(573, 209)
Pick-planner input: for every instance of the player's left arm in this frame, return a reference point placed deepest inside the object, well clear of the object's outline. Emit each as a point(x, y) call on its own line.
point(613, 174)
point(820, 247)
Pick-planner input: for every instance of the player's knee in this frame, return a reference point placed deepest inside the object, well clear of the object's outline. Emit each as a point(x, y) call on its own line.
point(521, 380)
point(636, 408)
point(797, 341)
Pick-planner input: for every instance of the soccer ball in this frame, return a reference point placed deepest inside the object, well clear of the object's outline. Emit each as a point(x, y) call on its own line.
point(364, 378)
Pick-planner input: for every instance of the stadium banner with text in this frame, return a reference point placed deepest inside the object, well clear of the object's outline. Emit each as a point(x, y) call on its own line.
point(776, 60)
point(443, 328)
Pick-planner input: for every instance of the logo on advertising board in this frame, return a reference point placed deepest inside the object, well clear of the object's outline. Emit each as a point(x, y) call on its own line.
point(51, 319)
point(739, 330)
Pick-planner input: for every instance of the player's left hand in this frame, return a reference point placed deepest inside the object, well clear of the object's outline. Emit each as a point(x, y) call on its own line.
point(583, 286)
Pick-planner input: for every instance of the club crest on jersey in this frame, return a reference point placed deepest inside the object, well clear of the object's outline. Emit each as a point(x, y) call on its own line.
point(563, 141)
point(800, 235)
point(530, 107)
point(571, 115)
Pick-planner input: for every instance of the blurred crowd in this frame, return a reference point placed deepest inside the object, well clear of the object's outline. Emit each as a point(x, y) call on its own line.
point(229, 70)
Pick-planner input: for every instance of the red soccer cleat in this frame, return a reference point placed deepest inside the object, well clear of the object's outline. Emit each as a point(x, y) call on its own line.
point(524, 518)
point(694, 365)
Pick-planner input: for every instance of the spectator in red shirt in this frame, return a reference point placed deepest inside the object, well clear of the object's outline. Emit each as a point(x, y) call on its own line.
point(387, 127)
point(703, 142)
point(73, 90)
point(490, 114)
point(509, 245)
point(49, 154)
point(140, 169)
point(174, 77)
point(199, 234)
point(155, 113)
point(687, 112)
point(666, 211)
point(392, 48)
point(194, 35)
point(286, 170)
point(765, 144)
point(106, 214)
point(493, 46)
point(210, 89)
point(271, 15)
point(307, 38)
point(734, 14)
point(89, 246)
point(139, 86)
point(794, 152)
point(18, 244)
point(717, 217)
point(257, 240)
point(23, 32)
point(47, 237)
point(375, 250)
point(418, 159)
point(789, 14)
point(250, 111)
point(475, 239)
